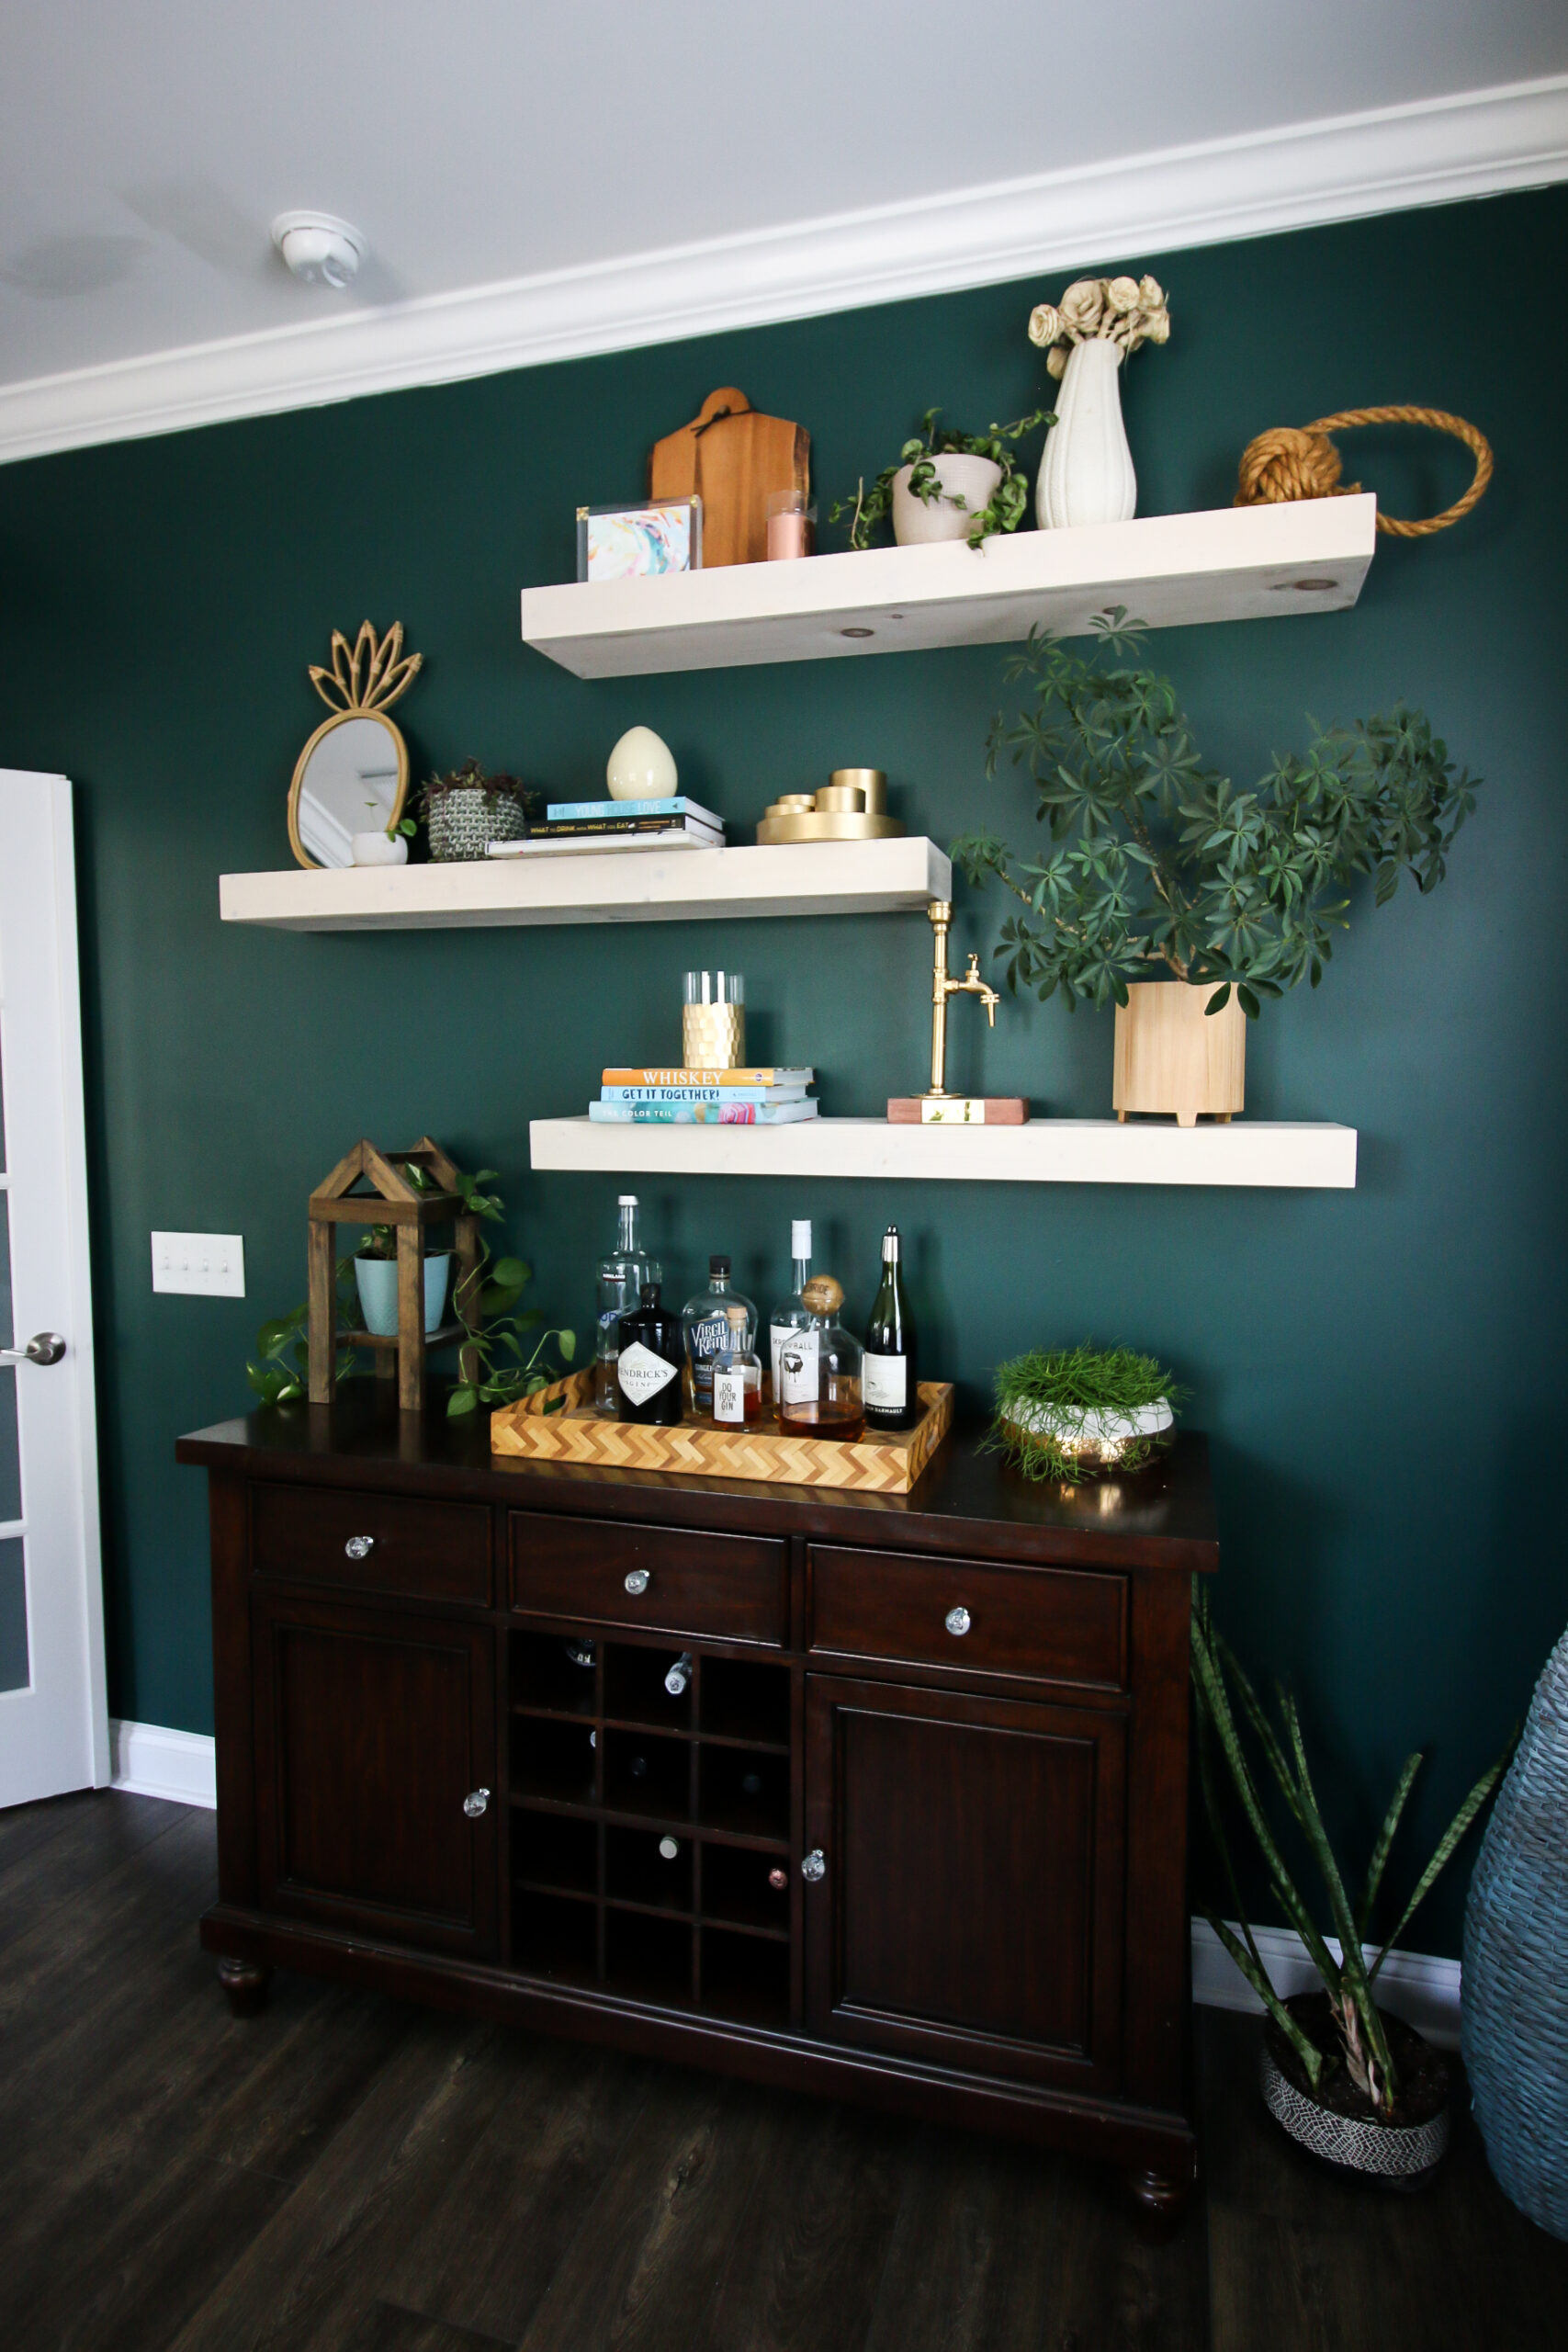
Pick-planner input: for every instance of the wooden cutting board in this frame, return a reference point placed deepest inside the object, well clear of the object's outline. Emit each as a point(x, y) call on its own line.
point(733, 459)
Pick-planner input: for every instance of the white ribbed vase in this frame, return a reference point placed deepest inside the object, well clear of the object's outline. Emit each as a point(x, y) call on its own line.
point(1086, 473)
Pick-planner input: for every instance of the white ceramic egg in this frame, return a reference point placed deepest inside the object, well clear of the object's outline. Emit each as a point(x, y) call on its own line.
point(641, 767)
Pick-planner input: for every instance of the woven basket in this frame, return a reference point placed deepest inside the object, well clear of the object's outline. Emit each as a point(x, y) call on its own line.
point(463, 822)
point(1394, 2151)
point(1514, 2020)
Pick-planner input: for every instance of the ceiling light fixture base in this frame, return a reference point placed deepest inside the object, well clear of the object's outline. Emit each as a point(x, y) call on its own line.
point(319, 249)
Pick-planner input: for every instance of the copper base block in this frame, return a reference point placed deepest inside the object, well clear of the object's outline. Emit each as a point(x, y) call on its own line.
point(958, 1111)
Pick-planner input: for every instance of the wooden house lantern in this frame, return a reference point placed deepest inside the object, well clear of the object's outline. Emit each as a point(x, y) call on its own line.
point(391, 1201)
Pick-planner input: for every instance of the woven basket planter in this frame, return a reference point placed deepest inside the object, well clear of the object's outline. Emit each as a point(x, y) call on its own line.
point(1514, 2020)
point(464, 822)
point(1387, 2151)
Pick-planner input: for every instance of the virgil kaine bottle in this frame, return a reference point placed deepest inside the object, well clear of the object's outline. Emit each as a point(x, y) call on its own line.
point(647, 1367)
point(888, 1375)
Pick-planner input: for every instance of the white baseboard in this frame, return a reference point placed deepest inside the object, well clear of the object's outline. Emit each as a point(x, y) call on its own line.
point(1415, 1985)
point(150, 1761)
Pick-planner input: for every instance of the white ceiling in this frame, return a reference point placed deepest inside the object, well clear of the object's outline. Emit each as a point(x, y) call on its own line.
point(145, 146)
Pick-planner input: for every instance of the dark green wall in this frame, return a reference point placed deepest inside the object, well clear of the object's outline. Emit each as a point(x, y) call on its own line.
point(1379, 1370)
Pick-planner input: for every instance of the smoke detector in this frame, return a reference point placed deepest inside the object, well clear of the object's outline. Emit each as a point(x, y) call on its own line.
point(320, 250)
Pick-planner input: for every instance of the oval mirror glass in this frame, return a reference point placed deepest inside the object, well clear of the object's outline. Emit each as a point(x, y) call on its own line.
point(352, 778)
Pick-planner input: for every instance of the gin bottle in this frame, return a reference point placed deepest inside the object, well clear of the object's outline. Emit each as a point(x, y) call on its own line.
point(621, 1277)
point(790, 1315)
point(708, 1329)
point(647, 1364)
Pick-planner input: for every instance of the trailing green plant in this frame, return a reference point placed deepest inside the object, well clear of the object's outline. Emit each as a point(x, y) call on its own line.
point(495, 1363)
point(869, 509)
point(470, 778)
point(283, 1344)
point(1156, 862)
point(1349, 1979)
point(1045, 1400)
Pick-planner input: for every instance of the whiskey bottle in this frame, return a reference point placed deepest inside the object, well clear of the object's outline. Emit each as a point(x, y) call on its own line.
point(621, 1277)
point(706, 1324)
point(736, 1376)
point(820, 1370)
point(891, 1399)
point(648, 1363)
point(789, 1315)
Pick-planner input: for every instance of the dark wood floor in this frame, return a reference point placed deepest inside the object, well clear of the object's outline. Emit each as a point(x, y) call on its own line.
point(347, 2172)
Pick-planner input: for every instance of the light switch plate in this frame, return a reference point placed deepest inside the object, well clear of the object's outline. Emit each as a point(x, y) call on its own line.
point(210, 1265)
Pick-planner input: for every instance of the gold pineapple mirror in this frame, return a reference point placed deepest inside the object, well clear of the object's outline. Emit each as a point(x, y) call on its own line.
point(353, 775)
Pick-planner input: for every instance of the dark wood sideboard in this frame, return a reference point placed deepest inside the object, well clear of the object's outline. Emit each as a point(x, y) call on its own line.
point(926, 1786)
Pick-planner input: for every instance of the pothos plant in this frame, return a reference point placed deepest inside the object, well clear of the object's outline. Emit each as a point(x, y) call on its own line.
point(1155, 862)
point(495, 1366)
point(1349, 1978)
point(869, 509)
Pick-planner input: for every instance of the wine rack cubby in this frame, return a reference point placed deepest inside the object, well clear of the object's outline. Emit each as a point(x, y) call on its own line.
point(650, 1828)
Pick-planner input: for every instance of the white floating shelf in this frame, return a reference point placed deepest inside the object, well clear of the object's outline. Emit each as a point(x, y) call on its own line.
point(1233, 564)
point(640, 885)
point(1046, 1151)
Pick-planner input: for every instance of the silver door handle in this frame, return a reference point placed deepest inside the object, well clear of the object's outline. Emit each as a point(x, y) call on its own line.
point(44, 1347)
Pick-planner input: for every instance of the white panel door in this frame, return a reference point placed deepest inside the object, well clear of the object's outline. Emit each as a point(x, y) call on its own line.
point(53, 1716)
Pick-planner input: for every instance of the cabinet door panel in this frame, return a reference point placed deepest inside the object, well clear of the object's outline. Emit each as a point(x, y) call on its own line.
point(371, 1729)
point(972, 1910)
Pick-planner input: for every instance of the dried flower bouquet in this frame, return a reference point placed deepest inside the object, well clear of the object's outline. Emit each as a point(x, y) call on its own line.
point(1126, 312)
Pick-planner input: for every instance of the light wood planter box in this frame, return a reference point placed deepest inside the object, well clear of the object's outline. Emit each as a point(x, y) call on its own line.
point(888, 1464)
point(1174, 1055)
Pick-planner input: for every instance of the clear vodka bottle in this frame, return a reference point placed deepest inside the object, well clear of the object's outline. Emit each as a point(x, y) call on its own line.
point(621, 1277)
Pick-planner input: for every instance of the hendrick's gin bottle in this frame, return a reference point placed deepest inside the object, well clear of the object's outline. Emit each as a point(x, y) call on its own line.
point(648, 1368)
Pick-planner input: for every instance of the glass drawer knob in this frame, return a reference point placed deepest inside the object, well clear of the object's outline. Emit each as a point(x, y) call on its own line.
point(815, 1866)
point(359, 1547)
point(474, 1802)
point(636, 1579)
point(958, 1620)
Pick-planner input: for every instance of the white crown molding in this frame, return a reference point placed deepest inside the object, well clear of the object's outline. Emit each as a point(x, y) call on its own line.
point(1482, 142)
point(151, 1761)
point(1416, 1985)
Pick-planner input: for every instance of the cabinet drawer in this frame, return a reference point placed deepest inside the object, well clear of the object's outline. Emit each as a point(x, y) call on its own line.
point(731, 1587)
point(425, 1550)
point(1051, 1624)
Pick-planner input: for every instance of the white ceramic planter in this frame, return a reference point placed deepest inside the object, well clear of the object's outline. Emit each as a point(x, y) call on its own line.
point(1104, 1434)
point(1086, 473)
point(377, 1281)
point(917, 523)
point(380, 849)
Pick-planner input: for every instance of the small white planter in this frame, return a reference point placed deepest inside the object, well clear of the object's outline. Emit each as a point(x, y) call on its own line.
point(918, 524)
point(380, 849)
point(1086, 473)
point(377, 1281)
point(1102, 1436)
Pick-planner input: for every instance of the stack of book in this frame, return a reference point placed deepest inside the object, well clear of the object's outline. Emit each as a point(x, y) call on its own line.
point(704, 1098)
point(585, 825)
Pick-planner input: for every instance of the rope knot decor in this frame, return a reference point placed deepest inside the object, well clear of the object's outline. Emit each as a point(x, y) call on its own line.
point(1292, 461)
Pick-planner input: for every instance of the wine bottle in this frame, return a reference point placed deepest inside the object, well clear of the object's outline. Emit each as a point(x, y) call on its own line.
point(891, 1400)
point(678, 1675)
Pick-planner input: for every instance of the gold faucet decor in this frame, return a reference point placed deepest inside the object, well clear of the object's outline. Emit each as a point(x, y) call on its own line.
point(937, 1106)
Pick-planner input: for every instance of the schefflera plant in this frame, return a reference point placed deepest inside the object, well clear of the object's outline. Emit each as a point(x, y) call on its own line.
point(1351, 1979)
point(1157, 863)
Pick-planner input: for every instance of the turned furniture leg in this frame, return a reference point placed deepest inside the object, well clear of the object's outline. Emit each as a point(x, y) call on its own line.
point(245, 1982)
point(1159, 2199)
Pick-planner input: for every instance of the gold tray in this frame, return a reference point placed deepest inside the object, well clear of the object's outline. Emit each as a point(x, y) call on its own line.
point(886, 1464)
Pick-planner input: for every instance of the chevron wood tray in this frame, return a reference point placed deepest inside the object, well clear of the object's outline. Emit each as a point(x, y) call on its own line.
point(888, 1464)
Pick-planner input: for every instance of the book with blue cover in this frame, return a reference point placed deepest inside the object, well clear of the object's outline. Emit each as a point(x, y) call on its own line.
point(700, 1115)
point(676, 805)
point(703, 1094)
